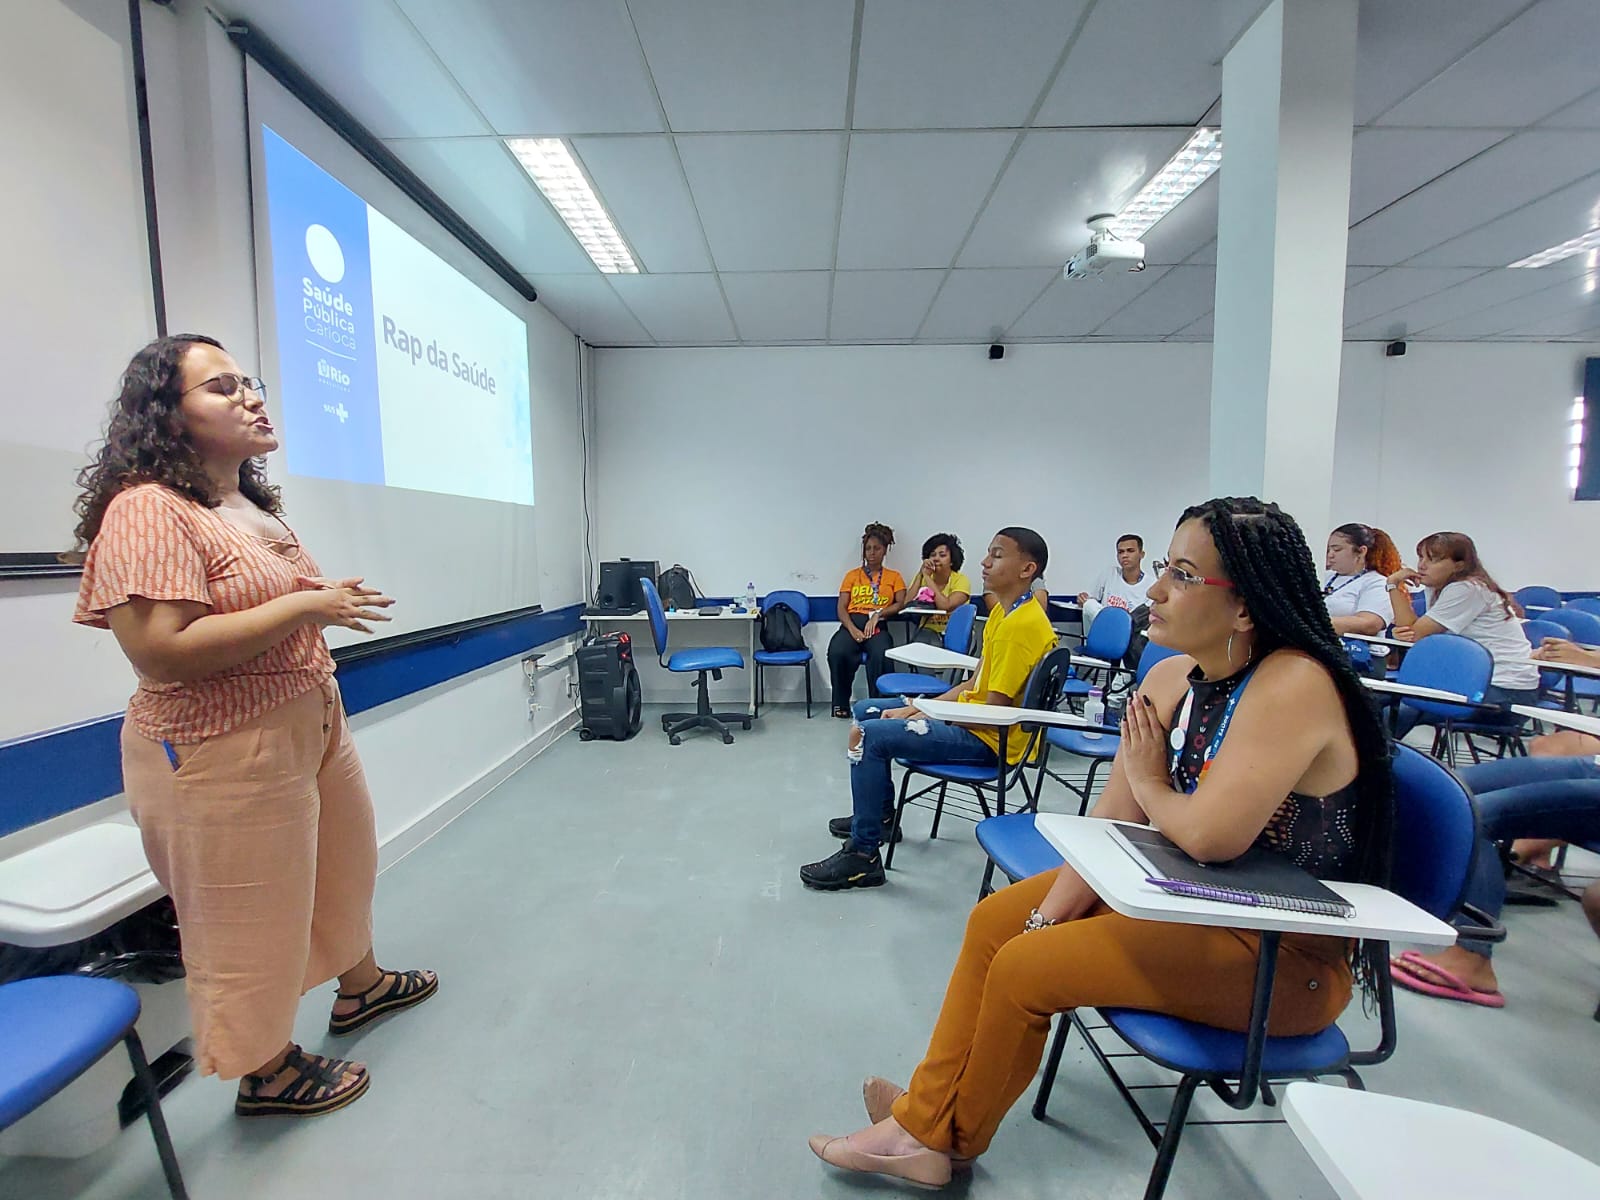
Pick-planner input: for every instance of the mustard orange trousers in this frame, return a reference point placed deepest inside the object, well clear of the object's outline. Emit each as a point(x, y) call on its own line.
point(265, 839)
point(1007, 984)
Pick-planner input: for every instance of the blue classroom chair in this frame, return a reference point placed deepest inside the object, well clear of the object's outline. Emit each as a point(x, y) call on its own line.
point(54, 1029)
point(784, 658)
point(957, 638)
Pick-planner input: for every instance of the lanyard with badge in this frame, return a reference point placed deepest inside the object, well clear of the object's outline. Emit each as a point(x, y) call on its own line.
point(876, 599)
point(1180, 729)
point(1328, 590)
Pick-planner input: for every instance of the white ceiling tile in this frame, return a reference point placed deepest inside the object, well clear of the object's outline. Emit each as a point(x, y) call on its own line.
point(979, 306)
point(1057, 180)
point(1179, 298)
point(1385, 164)
point(1145, 62)
point(1474, 295)
point(977, 65)
point(1548, 222)
point(1574, 323)
point(677, 308)
point(768, 201)
point(1207, 254)
point(543, 67)
point(1541, 61)
point(1354, 275)
point(1522, 168)
point(738, 65)
point(1390, 289)
point(1186, 228)
point(1552, 304)
point(480, 180)
point(371, 60)
point(643, 189)
point(1074, 307)
point(1585, 114)
point(1200, 330)
point(1400, 46)
point(779, 306)
point(587, 306)
point(909, 198)
point(880, 305)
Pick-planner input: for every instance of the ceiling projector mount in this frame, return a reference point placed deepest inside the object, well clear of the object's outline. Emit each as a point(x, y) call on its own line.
point(1105, 252)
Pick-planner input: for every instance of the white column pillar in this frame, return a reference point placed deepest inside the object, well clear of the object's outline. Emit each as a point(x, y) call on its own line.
point(1287, 113)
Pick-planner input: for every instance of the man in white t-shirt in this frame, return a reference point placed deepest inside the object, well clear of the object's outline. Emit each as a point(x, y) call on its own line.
point(1124, 586)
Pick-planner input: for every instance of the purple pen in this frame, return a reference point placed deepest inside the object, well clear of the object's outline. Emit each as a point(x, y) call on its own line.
point(1200, 891)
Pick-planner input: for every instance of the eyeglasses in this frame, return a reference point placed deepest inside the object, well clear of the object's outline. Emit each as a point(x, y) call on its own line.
point(1183, 578)
point(229, 385)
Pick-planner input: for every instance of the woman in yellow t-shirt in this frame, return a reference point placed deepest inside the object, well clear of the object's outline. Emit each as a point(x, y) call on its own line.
point(867, 594)
point(939, 584)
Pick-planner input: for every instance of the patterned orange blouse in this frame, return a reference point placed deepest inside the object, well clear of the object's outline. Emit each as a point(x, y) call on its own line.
point(159, 544)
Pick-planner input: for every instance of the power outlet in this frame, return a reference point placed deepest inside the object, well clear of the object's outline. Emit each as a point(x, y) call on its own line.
point(533, 710)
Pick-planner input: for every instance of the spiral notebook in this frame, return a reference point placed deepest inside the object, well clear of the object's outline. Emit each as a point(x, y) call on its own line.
point(1256, 878)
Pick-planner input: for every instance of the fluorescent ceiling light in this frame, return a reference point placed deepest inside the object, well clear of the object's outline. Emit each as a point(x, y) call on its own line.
point(1577, 245)
point(1188, 169)
point(564, 184)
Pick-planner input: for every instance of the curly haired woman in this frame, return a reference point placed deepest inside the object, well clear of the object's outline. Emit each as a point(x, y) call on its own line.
point(236, 758)
point(867, 595)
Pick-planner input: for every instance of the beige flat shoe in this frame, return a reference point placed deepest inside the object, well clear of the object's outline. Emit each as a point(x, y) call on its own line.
point(879, 1095)
point(926, 1168)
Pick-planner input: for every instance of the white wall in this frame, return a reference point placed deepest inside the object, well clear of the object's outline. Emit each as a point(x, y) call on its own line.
point(1471, 437)
point(431, 752)
point(764, 464)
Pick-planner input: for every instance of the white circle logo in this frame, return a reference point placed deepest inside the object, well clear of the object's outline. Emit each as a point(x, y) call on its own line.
point(322, 248)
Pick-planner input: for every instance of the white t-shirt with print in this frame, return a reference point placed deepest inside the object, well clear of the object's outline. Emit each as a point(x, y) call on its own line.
point(1469, 608)
point(1113, 591)
point(1347, 595)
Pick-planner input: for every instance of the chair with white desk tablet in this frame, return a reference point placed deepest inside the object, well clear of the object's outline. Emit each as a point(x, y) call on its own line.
point(1043, 691)
point(1435, 836)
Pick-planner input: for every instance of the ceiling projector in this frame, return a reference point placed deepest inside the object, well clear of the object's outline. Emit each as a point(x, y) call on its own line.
point(1105, 252)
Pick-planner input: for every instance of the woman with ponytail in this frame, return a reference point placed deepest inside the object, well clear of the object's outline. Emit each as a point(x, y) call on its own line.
point(1279, 748)
point(1359, 561)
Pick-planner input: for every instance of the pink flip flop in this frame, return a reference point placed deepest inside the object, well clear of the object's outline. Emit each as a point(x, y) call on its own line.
point(1407, 972)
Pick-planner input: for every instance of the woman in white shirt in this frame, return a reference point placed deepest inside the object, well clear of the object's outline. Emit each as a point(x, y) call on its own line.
point(1359, 560)
point(1464, 598)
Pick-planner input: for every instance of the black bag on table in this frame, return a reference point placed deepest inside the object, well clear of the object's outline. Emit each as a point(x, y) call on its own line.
point(676, 586)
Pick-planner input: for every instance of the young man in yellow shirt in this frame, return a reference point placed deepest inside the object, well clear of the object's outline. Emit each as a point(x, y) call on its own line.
point(1017, 636)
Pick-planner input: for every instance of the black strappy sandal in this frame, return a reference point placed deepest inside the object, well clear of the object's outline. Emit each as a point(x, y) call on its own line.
point(318, 1088)
point(841, 714)
point(404, 989)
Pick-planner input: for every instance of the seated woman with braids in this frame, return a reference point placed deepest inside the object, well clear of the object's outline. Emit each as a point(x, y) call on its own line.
point(1279, 748)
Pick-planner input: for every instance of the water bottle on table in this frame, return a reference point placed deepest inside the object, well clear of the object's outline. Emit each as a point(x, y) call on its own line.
point(1094, 711)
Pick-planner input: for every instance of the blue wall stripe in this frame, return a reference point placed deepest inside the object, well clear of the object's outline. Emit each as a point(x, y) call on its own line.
point(44, 775)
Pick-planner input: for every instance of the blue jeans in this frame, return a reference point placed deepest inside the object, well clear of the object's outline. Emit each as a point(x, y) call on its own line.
point(872, 786)
point(1527, 798)
point(1411, 717)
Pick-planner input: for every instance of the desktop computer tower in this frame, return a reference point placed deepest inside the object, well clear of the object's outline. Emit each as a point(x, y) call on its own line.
point(608, 688)
point(619, 590)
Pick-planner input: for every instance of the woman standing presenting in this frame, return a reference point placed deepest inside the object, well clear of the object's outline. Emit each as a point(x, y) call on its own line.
point(236, 758)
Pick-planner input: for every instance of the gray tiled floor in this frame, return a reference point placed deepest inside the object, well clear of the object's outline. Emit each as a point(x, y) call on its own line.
point(640, 1000)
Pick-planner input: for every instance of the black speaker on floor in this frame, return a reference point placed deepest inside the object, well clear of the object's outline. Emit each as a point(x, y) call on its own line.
point(608, 688)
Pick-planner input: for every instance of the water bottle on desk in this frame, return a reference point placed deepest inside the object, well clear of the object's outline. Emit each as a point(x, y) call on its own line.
point(750, 596)
point(1094, 711)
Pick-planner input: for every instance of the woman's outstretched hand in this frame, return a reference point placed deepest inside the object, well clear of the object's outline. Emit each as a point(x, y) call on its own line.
point(348, 603)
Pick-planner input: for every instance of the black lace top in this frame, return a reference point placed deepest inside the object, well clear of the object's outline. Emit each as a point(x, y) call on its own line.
point(1314, 832)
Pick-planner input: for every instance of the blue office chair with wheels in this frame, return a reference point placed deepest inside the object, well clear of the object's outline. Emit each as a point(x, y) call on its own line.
point(55, 1028)
point(957, 638)
point(1042, 691)
point(1098, 751)
point(1537, 597)
point(1108, 638)
point(1435, 839)
point(703, 661)
point(784, 658)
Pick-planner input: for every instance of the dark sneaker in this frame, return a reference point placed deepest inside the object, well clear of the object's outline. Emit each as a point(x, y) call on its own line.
point(840, 828)
point(848, 868)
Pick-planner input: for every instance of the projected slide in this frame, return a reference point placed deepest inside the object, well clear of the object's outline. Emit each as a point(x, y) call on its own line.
point(395, 368)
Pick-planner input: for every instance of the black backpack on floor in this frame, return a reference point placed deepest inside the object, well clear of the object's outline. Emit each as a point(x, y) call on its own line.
point(780, 629)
